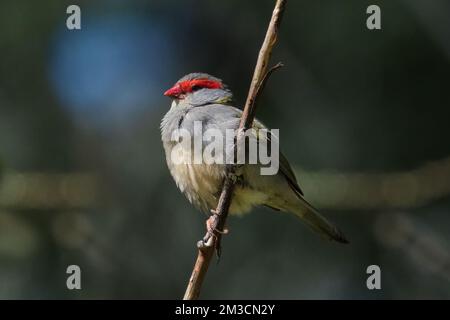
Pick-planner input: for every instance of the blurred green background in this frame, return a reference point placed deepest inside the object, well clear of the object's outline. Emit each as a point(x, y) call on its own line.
point(363, 117)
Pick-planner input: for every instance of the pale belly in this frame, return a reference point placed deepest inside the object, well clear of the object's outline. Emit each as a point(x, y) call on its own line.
point(202, 185)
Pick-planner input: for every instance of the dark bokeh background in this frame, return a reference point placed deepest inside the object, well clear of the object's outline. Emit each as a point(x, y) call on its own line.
point(363, 118)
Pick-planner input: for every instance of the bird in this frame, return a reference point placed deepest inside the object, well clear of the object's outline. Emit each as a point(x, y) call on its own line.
point(202, 98)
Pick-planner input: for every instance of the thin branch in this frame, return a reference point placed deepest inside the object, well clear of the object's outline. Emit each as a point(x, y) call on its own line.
point(212, 239)
point(262, 85)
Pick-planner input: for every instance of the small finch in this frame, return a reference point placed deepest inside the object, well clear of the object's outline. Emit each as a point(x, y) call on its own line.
point(199, 97)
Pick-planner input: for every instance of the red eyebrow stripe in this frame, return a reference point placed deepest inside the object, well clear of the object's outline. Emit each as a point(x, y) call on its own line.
point(186, 86)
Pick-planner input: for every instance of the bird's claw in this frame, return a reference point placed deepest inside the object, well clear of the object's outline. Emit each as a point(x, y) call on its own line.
point(211, 223)
point(222, 232)
point(212, 237)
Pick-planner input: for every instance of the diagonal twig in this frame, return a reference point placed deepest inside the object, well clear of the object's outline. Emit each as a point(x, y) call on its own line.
point(212, 239)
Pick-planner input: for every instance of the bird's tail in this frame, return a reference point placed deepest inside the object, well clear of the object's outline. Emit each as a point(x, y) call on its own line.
point(308, 214)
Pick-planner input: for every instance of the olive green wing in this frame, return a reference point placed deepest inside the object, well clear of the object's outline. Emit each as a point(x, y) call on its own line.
point(285, 167)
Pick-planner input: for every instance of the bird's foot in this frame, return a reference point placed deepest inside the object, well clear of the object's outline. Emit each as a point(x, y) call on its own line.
point(213, 234)
point(212, 222)
point(210, 238)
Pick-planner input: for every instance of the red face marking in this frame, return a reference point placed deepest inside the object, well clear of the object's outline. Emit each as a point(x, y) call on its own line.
point(182, 88)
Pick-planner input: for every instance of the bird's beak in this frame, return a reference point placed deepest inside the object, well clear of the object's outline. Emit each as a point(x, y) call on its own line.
point(174, 92)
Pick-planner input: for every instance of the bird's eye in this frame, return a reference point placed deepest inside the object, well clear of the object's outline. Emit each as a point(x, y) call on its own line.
point(196, 87)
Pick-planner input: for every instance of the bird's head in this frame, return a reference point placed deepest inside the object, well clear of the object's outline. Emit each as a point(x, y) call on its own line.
point(199, 89)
